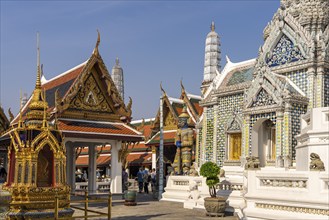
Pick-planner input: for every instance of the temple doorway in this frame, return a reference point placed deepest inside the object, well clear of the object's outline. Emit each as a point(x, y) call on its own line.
point(263, 141)
point(234, 146)
point(45, 167)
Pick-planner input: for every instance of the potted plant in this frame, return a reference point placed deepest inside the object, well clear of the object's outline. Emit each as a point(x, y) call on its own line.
point(215, 206)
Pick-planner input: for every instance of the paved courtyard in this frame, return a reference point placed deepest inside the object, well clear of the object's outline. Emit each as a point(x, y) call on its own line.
point(149, 208)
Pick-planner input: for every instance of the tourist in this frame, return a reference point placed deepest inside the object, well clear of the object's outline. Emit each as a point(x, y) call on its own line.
point(153, 179)
point(146, 180)
point(85, 176)
point(124, 180)
point(140, 180)
point(3, 175)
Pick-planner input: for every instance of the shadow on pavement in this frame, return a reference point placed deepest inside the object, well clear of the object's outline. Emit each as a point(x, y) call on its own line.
point(144, 217)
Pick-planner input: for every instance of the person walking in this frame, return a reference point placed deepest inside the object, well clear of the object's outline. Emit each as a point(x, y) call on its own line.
point(153, 179)
point(140, 180)
point(124, 180)
point(146, 180)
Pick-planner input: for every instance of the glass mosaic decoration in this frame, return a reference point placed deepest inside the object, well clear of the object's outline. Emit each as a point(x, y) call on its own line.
point(284, 52)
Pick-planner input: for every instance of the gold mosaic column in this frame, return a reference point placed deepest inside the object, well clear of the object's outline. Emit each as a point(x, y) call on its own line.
point(311, 87)
point(214, 143)
point(279, 135)
point(197, 147)
point(319, 87)
point(286, 131)
point(204, 135)
point(245, 136)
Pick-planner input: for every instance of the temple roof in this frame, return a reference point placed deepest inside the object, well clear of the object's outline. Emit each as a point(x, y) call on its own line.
point(94, 129)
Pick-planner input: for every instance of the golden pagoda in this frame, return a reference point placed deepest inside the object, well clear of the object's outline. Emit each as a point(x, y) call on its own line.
point(37, 163)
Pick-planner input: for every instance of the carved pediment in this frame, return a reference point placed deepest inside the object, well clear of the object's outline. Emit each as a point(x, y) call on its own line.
point(90, 97)
point(170, 122)
point(284, 52)
point(234, 123)
point(262, 99)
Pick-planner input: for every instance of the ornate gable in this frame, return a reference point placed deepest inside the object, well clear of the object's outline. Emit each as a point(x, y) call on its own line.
point(262, 99)
point(234, 123)
point(90, 97)
point(286, 41)
point(266, 90)
point(284, 52)
point(93, 95)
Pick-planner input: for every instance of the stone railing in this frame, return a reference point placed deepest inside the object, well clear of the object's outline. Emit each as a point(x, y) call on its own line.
point(100, 186)
point(276, 182)
point(230, 186)
point(296, 194)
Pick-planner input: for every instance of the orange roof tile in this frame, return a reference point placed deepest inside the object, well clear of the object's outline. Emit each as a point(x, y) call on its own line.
point(168, 137)
point(101, 160)
point(115, 129)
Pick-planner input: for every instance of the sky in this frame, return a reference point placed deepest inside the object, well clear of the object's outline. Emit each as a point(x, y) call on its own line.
point(156, 41)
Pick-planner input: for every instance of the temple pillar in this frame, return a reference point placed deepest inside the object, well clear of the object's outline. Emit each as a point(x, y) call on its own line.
point(92, 166)
point(70, 164)
point(278, 141)
point(320, 88)
point(214, 143)
point(311, 87)
point(154, 158)
point(116, 168)
point(245, 136)
point(286, 142)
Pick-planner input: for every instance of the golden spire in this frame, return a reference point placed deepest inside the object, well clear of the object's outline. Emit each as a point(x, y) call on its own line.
point(38, 82)
point(96, 52)
point(44, 121)
point(38, 103)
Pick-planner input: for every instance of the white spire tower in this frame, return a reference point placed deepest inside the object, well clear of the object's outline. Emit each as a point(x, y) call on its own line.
point(212, 57)
point(117, 76)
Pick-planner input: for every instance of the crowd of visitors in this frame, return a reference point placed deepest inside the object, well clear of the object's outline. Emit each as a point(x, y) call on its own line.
point(144, 178)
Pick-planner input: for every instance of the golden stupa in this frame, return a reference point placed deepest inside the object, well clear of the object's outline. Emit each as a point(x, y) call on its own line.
point(37, 163)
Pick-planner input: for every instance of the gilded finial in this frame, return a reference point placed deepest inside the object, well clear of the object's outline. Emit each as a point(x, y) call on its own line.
point(182, 86)
point(11, 116)
point(38, 82)
point(97, 43)
point(212, 27)
point(163, 92)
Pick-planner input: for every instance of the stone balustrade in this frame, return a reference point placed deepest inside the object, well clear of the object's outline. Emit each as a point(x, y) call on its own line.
point(100, 186)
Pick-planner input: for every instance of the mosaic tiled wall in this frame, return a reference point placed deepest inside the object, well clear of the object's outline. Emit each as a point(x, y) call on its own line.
point(198, 147)
point(326, 88)
point(209, 134)
point(226, 106)
point(254, 119)
point(297, 111)
point(300, 79)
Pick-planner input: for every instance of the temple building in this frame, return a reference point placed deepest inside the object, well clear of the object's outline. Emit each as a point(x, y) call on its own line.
point(4, 125)
point(253, 107)
point(172, 109)
point(91, 115)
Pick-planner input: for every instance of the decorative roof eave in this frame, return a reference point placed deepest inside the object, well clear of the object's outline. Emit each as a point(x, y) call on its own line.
point(263, 109)
point(190, 108)
point(95, 135)
point(289, 67)
point(232, 89)
point(229, 67)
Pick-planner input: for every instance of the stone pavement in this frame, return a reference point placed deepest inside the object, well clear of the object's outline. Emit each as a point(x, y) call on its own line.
point(149, 208)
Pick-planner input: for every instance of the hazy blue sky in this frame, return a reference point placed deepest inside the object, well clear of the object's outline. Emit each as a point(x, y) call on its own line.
point(154, 40)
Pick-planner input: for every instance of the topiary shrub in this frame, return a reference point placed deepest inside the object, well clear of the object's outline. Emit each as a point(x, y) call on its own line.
point(210, 170)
